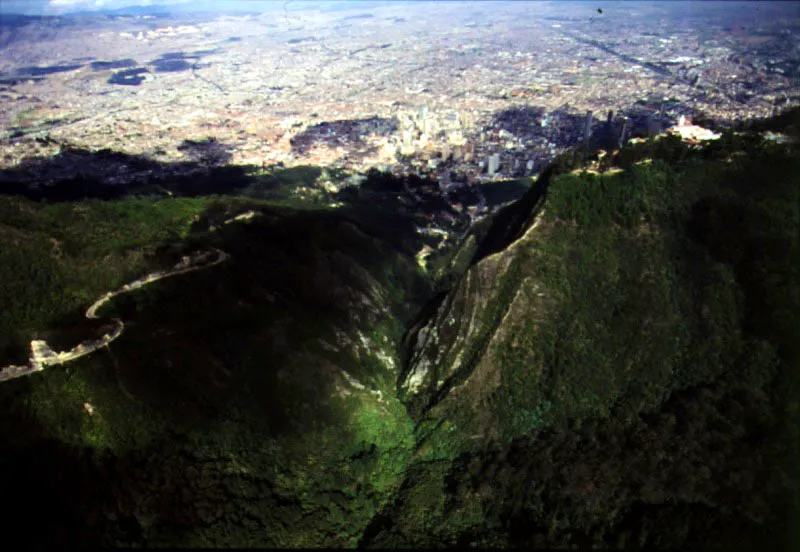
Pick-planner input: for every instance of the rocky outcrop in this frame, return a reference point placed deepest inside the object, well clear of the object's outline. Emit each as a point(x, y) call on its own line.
point(604, 370)
point(596, 375)
point(454, 339)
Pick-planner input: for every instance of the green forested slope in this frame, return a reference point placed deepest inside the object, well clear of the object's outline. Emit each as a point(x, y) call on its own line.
point(56, 259)
point(616, 366)
point(636, 379)
point(249, 404)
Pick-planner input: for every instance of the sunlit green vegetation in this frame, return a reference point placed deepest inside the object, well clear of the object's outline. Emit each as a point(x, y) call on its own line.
point(663, 276)
point(625, 286)
point(246, 358)
point(657, 374)
point(57, 258)
point(646, 398)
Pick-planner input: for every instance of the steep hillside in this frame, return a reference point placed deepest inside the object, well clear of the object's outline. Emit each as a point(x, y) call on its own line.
point(610, 361)
point(623, 371)
point(256, 395)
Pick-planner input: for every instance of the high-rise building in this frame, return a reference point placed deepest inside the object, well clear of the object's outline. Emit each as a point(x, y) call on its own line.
point(446, 152)
point(623, 135)
point(610, 137)
point(429, 126)
point(587, 127)
point(494, 164)
point(653, 124)
point(456, 137)
point(469, 151)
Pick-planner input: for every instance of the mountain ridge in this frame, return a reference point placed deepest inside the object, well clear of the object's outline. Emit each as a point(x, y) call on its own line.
point(598, 359)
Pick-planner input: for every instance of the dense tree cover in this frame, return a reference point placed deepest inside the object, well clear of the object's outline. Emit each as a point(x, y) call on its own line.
point(57, 258)
point(256, 396)
point(654, 399)
point(697, 261)
point(651, 400)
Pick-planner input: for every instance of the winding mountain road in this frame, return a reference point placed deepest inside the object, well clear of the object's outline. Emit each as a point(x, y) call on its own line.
point(43, 356)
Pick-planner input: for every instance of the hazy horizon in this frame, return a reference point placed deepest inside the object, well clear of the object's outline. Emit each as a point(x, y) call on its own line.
point(72, 7)
point(75, 7)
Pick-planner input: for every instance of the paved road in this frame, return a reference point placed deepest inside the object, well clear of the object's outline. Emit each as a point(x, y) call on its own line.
point(41, 353)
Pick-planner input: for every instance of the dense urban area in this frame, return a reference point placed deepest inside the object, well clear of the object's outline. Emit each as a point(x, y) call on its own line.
point(386, 274)
point(456, 91)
